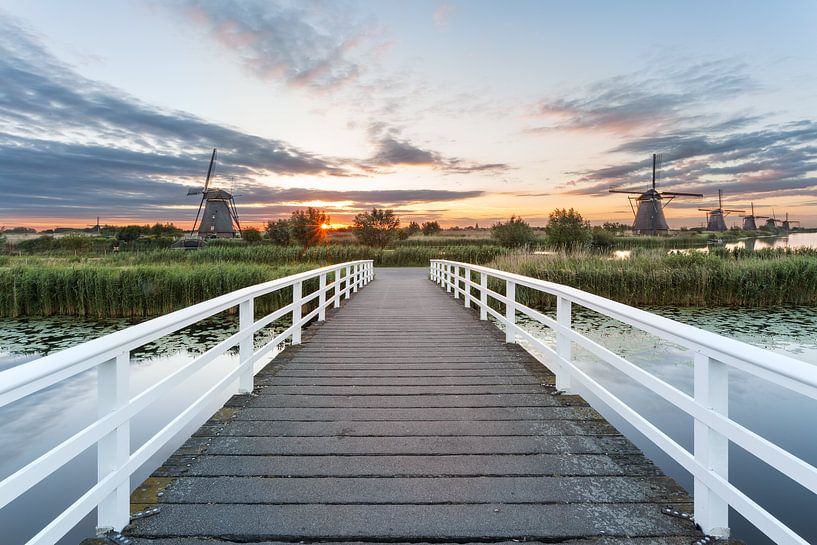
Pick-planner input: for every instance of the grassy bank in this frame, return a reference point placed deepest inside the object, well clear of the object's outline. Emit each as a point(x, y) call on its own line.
point(653, 278)
point(103, 291)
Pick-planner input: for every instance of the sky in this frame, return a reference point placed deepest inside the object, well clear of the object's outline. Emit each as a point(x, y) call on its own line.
point(459, 111)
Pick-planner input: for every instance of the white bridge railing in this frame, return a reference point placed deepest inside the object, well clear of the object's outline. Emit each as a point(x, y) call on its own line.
point(712, 356)
point(111, 357)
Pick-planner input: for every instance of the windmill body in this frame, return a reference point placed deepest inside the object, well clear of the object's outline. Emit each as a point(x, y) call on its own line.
point(649, 207)
point(716, 217)
point(219, 217)
point(789, 224)
point(750, 221)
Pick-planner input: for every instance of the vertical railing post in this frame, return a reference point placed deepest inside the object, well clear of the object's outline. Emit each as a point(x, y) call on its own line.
point(337, 287)
point(564, 348)
point(347, 288)
point(448, 278)
point(322, 298)
point(456, 281)
point(297, 295)
point(467, 282)
point(246, 319)
point(711, 380)
point(510, 311)
point(357, 276)
point(483, 296)
point(113, 450)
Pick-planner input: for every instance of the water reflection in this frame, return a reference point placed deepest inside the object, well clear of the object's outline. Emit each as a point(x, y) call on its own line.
point(33, 425)
point(777, 414)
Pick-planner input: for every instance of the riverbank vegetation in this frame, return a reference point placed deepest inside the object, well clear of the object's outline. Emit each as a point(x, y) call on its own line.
point(655, 278)
point(132, 272)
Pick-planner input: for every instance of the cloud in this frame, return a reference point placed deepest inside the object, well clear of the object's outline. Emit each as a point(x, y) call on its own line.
point(71, 147)
point(753, 164)
point(643, 101)
point(442, 15)
point(302, 44)
point(392, 149)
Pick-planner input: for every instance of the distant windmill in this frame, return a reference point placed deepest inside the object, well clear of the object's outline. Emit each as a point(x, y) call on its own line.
point(787, 223)
point(649, 216)
point(771, 223)
point(715, 216)
point(220, 217)
point(749, 223)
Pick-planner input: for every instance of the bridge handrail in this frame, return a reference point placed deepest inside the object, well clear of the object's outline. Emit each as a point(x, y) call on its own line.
point(712, 355)
point(110, 354)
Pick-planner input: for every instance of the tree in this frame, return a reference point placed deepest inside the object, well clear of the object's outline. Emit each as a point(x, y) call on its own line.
point(567, 229)
point(430, 228)
point(376, 228)
point(513, 234)
point(251, 234)
point(129, 233)
point(413, 228)
point(165, 229)
point(306, 226)
point(278, 232)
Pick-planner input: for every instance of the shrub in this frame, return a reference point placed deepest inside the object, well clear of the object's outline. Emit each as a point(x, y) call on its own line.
point(376, 228)
point(513, 234)
point(251, 234)
point(278, 232)
point(567, 229)
point(306, 227)
point(430, 228)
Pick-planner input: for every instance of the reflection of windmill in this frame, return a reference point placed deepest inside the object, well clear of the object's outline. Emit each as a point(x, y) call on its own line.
point(649, 216)
point(787, 223)
point(220, 217)
point(715, 216)
point(749, 223)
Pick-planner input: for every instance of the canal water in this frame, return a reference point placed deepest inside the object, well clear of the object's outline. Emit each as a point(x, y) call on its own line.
point(33, 425)
point(783, 417)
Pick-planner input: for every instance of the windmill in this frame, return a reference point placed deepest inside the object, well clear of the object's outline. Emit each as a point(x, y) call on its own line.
point(771, 223)
point(749, 223)
point(787, 223)
point(649, 216)
point(220, 217)
point(715, 216)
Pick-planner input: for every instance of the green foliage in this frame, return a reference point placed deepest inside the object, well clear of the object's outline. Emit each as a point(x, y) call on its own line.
point(251, 235)
point(653, 278)
point(165, 230)
point(133, 292)
point(278, 232)
point(602, 238)
point(129, 233)
point(376, 228)
point(306, 227)
point(514, 233)
point(567, 229)
point(430, 228)
point(413, 228)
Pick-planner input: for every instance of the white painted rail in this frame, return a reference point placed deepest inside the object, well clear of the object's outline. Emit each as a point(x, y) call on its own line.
point(712, 354)
point(111, 357)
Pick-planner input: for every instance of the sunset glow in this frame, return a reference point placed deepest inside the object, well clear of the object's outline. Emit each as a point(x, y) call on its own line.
point(459, 112)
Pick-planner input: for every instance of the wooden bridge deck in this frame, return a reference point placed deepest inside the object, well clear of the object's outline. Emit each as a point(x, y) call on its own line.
point(403, 418)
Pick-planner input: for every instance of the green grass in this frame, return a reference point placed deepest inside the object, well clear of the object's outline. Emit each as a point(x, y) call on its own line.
point(653, 278)
point(101, 291)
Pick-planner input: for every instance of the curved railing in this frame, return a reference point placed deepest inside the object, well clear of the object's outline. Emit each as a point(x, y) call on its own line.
point(111, 356)
point(713, 356)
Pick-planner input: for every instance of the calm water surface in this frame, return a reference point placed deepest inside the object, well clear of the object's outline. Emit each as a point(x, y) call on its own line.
point(31, 426)
point(783, 417)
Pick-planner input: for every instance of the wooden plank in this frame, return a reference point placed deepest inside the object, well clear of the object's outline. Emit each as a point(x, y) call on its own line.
point(405, 419)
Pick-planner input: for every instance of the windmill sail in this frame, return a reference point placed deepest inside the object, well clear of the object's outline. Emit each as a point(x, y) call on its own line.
point(649, 214)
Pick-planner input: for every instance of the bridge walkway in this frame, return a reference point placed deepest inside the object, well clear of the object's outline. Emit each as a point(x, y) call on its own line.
point(404, 418)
